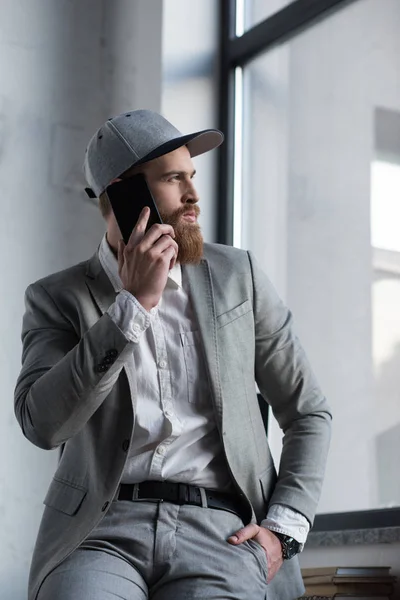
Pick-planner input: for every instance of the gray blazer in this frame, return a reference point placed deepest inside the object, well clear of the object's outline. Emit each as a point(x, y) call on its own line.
point(247, 336)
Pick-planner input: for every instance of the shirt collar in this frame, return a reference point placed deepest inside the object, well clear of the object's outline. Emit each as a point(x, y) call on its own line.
point(110, 265)
point(175, 275)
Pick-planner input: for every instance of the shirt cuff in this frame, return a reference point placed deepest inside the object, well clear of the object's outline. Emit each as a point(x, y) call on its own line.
point(130, 316)
point(284, 519)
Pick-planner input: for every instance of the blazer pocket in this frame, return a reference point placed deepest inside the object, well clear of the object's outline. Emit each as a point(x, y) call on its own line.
point(268, 479)
point(234, 313)
point(65, 497)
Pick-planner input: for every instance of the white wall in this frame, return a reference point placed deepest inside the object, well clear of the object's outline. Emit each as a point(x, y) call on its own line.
point(132, 67)
point(189, 94)
point(65, 67)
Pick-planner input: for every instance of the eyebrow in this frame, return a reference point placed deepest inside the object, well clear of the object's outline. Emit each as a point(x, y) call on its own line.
point(181, 173)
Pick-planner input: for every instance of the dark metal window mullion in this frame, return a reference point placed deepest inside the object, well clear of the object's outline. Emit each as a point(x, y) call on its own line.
point(226, 124)
point(280, 27)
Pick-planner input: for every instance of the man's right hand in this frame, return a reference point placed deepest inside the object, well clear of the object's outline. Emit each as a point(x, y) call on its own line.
point(145, 261)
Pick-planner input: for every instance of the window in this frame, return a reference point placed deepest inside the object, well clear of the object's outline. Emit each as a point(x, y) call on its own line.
point(315, 194)
point(255, 11)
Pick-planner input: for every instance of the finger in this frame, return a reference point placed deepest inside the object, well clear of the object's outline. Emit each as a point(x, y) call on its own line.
point(175, 255)
point(162, 244)
point(140, 228)
point(154, 233)
point(246, 533)
point(166, 249)
point(173, 260)
point(171, 253)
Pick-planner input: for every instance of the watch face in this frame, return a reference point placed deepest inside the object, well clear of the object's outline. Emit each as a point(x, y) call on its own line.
point(290, 547)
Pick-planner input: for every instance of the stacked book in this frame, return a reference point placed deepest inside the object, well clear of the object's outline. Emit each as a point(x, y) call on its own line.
point(344, 583)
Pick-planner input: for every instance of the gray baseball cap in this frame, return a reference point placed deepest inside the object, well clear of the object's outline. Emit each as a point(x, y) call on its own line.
point(134, 138)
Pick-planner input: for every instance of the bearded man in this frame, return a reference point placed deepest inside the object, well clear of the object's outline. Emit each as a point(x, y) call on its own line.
point(141, 365)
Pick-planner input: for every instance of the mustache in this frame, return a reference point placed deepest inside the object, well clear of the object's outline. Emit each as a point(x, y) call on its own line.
point(174, 217)
point(186, 210)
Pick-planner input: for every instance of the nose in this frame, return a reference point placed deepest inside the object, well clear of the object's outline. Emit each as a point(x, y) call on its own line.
point(191, 196)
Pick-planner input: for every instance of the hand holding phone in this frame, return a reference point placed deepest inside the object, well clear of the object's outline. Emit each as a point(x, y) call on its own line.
point(150, 252)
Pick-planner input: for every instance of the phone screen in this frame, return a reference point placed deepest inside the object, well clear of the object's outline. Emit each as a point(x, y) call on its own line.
point(128, 198)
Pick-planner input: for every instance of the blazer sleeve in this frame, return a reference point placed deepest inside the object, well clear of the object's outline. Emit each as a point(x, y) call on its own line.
point(63, 379)
point(285, 379)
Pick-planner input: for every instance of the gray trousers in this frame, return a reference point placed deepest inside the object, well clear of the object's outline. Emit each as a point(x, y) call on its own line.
point(161, 551)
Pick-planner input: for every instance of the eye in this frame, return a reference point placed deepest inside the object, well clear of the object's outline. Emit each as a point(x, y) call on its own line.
point(174, 177)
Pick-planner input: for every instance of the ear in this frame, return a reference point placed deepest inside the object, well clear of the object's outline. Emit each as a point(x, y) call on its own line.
point(115, 181)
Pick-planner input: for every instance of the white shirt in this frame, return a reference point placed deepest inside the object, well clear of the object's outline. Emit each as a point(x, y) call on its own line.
point(175, 435)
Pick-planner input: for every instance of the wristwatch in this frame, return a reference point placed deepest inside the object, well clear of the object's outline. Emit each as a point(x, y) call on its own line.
point(290, 547)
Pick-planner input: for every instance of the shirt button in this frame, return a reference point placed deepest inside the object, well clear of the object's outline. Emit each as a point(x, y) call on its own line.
point(161, 450)
point(136, 328)
point(162, 364)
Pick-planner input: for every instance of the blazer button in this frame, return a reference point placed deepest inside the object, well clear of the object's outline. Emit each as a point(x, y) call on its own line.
point(125, 445)
point(113, 353)
point(105, 506)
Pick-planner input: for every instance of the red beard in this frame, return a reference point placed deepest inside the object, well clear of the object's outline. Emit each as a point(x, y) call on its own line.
point(188, 235)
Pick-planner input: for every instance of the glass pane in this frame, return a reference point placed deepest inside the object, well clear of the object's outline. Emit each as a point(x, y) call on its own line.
point(256, 11)
point(321, 210)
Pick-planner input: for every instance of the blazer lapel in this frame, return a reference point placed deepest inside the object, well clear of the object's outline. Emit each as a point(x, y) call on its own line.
point(201, 292)
point(99, 284)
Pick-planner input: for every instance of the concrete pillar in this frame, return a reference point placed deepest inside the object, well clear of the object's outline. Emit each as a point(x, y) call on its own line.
point(64, 68)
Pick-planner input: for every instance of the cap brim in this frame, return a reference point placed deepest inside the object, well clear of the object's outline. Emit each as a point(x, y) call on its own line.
point(197, 143)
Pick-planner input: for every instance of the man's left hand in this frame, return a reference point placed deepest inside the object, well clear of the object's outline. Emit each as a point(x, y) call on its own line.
point(267, 540)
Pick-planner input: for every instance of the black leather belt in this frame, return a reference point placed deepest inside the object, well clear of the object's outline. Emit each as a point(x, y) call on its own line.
point(181, 493)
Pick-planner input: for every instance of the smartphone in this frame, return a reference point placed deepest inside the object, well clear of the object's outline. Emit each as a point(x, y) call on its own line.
point(128, 198)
